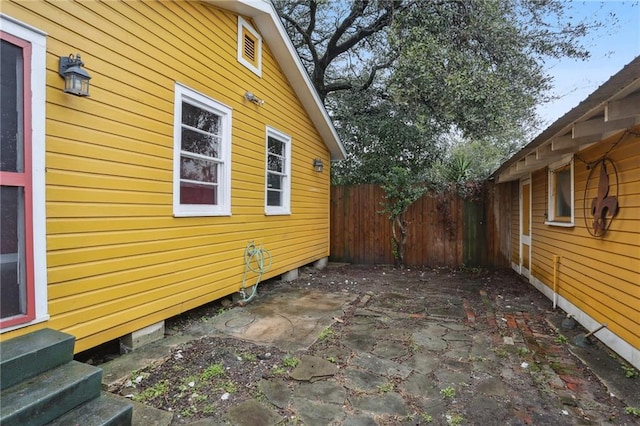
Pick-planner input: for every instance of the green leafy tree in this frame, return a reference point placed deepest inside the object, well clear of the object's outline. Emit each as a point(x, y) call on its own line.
point(399, 77)
point(379, 134)
point(473, 66)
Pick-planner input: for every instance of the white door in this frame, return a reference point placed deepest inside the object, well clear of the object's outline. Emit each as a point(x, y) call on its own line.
point(525, 227)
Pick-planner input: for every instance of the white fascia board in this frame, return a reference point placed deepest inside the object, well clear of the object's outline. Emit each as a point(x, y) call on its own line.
point(268, 22)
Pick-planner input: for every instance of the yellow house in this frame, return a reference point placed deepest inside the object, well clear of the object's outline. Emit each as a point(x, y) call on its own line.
point(201, 132)
point(573, 195)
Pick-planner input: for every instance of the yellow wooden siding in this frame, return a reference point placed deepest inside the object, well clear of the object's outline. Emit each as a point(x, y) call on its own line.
point(600, 275)
point(117, 258)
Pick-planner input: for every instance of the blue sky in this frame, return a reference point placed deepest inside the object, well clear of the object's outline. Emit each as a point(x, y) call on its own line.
point(610, 50)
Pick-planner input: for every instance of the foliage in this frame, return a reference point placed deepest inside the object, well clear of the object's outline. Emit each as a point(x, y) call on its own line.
point(227, 386)
point(561, 339)
point(442, 90)
point(426, 417)
point(472, 159)
point(351, 45)
point(455, 419)
point(386, 387)
point(214, 370)
point(247, 356)
point(159, 389)
point(326, 334)
point(632, 411)
point(402, 188)
point(448, 393)
point(277, 371)
point(399, 76)
point(630, 372)
point(377, 134)
point(290, 361)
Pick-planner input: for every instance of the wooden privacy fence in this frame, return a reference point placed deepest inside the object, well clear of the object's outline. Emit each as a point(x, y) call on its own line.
point(443, 230)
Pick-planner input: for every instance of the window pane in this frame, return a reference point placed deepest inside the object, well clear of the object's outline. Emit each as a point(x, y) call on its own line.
point(275, 164)
point(274, 181)
point(276, 147)
point(274, 198)
point(563, 193)
point(201, 119)
point(11, 157)
point(198, 169)
point(193, 193)
point(200, 143)
point(12, 256)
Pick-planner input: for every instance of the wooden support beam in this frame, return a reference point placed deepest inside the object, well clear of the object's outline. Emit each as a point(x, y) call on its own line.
point(510, 174)
point(546, 152)
point(524, 166)
point(567, 143)
point(506, 177)
point(623, 108)
point(532, 160)
point(521, 165)
point(599, 126)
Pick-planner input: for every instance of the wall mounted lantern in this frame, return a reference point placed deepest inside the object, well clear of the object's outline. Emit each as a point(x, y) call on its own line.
point(253, 98)
point(76, 79)
point(318, 165)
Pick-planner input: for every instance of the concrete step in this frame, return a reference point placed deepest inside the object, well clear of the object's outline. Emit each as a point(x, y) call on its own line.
point(106, 410)
point(48, 395)
point(27, 356)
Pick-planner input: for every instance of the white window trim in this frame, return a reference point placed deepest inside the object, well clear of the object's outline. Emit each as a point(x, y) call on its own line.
point(285, 209)
point(566, 160)
point(244, 24)
point(223, 208)
point(38, 40)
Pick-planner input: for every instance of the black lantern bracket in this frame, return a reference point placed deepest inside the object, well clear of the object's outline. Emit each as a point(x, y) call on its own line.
point(318, 165)
point(76, 78)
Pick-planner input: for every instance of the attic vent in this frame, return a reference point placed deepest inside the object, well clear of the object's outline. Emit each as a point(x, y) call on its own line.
point(249, 47)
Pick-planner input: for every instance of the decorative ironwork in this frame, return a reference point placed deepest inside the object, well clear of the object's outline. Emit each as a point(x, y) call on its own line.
point(604, 207)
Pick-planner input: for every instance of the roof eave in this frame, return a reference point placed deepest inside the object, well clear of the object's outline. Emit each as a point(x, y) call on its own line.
point(266, 19)
point(610, 109)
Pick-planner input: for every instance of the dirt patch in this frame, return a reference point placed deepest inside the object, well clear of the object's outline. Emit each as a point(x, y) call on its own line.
point(487, 333)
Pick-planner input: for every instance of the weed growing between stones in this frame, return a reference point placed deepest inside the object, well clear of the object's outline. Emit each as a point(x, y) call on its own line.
point(561, 339)
point(387, 387)
point(326, 334)
point(290, 361)
point(448, 393)
point(632, 411)
point(215, 370)
point(630, 372)
point(426, 417)
point(454, 419)
point(152, 392)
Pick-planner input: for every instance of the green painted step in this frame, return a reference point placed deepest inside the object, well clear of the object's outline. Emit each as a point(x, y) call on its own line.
point(48, 395)
point(26, 356)
point(105, 410)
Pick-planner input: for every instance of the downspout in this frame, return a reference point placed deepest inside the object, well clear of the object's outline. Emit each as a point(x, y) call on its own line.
point(556, 262)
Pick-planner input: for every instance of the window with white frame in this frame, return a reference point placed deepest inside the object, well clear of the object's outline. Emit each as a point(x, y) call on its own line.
point(249, 47)
point(23, 281)
point(202, 155)
point(561, 196)
point(278, 182)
